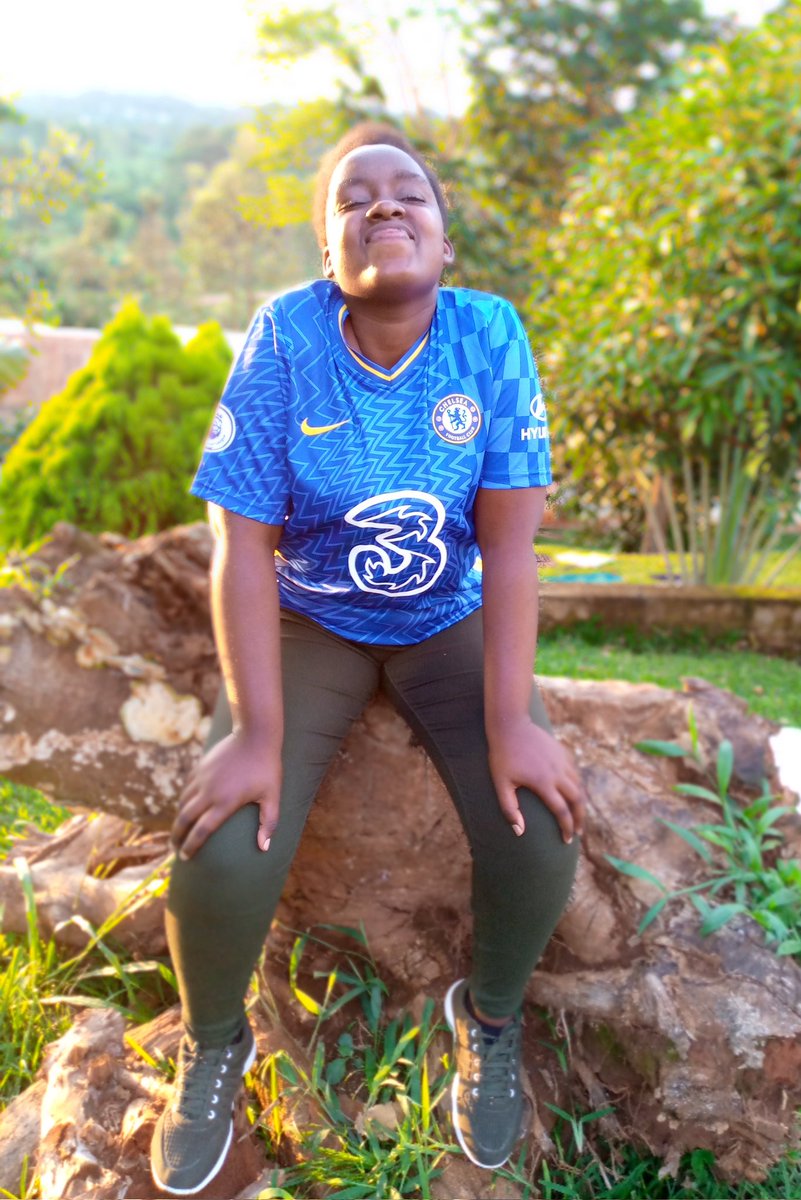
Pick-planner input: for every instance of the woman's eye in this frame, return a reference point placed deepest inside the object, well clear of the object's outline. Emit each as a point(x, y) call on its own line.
point(415, 199)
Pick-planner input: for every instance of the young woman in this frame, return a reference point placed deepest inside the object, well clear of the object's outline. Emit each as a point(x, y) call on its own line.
point(377, 434)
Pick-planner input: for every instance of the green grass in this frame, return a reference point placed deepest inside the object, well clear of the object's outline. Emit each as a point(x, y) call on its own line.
point(23, 808)
point(771, 686)
point(623, 1174)
point(743, 873)
point(43, 986)
point(376, 1061)
point(643, 568)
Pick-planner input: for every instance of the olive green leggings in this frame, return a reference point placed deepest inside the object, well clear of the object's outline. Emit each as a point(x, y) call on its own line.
point(221, 901)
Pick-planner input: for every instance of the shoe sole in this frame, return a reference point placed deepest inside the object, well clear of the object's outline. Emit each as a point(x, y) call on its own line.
point(449, 1017)
point(173, 1191)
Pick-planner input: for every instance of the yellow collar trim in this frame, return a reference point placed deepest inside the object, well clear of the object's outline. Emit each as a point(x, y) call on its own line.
point(368, 366)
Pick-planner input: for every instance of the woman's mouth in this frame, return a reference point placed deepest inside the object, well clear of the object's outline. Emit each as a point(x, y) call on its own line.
point(390, 233)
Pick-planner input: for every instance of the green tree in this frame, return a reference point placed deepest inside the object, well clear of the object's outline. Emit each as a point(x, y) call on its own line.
point(150, 270)
point(187, 165)
point(117, 448)
point(548, 77)
point(294, 140)
point(37, 182)
point(85, 268)
point(671, 324)
point(240, 251)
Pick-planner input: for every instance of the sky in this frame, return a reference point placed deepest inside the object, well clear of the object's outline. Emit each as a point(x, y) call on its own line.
point(204, 50)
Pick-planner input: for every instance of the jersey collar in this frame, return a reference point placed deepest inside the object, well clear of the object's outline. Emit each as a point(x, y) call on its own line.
point(388, 376)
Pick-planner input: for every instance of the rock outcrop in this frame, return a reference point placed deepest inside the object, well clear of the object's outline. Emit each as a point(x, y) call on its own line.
point(693, 1041)
point(108, 671)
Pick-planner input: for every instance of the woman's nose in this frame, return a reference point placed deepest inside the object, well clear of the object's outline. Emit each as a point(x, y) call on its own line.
point(386, 208)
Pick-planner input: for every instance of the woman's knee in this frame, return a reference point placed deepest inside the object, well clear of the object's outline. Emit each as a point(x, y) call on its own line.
point(225, 863)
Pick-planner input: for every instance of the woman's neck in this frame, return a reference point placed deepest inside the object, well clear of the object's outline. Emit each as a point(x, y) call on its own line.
point(384, 336)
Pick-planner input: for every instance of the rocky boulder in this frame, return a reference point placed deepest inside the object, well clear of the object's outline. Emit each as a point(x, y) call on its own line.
point(693, 1041)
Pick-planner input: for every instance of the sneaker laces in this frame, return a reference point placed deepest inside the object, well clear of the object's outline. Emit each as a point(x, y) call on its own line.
point(198, 1071)
point(499, 1069)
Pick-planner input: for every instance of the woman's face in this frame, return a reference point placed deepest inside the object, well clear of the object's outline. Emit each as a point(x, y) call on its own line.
point(384, 233)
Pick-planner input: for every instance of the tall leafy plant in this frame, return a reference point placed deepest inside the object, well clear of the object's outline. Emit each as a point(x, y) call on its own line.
point(670, 322)
point(722, 530)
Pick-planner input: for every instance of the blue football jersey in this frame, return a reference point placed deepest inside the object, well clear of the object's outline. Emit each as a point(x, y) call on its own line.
point(373, 472)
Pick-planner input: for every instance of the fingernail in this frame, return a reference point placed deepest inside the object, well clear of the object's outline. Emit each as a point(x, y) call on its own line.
point(568, 841)
point(266, 844)
point(518, 830)
point(184, 857)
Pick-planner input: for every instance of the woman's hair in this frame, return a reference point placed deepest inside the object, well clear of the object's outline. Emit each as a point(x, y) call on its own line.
point(368, 133)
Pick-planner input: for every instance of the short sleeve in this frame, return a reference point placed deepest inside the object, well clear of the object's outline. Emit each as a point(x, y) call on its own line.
point(518, 452)
point(244, 465)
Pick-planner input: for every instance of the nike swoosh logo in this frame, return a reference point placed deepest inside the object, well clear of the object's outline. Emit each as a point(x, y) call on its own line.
point(313, 430)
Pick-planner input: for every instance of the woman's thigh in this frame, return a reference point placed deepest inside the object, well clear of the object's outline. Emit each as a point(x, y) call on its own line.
point(326, 683)
point(438, 686)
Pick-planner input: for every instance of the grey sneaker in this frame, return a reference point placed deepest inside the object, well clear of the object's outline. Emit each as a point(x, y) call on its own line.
point(192, 1135)
point(486, 1096)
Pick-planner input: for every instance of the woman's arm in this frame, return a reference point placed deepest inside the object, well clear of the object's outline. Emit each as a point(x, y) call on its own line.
point(521, 754)
point(246, 766)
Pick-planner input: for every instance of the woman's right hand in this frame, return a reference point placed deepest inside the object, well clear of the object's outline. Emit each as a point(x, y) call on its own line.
point(241, 769)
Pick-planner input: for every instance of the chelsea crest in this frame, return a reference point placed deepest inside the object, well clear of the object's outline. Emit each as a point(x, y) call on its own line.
point(456, 419)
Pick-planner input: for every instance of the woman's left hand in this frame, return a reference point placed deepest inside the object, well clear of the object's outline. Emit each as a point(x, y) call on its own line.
point(524, 755)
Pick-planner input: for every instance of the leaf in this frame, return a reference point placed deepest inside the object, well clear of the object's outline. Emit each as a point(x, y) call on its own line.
point(308, 1002)
point(769, 818)
point(335, 1071)
point(772, 923)
point(692, 725)
point(725, 766)
point(665, 749)
point(719, 915)
point(635, 871)
point(375, 1004)
point(652, 914)
point(350, 931)
point(700, 793)
point(690, 838)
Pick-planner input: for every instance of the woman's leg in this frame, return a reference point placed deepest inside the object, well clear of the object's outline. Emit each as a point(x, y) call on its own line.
point(221, 901)
point(520, 884)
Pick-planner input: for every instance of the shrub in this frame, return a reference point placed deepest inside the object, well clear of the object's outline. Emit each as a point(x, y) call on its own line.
point(117, 448)
point(672, 321)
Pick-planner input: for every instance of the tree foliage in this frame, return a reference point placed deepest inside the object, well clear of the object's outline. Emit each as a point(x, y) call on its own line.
point(293, 141)
point(115, 231)
point(241, 235)
point(117, 448)
point(549, 76)
point(37, 182)
point(672, 321)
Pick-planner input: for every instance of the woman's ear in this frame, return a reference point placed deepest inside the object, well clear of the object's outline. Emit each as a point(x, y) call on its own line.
point(449, 254)
point(328, 270)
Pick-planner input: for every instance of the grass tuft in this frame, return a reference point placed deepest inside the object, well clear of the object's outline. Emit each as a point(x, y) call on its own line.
point(770, 686)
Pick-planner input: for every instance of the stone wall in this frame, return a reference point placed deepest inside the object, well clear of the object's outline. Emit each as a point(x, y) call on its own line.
point(55, 355)
point(770, 623)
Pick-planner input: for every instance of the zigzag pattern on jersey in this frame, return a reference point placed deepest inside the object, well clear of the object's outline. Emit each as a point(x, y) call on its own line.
point(397, 455)
point(375, 440)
